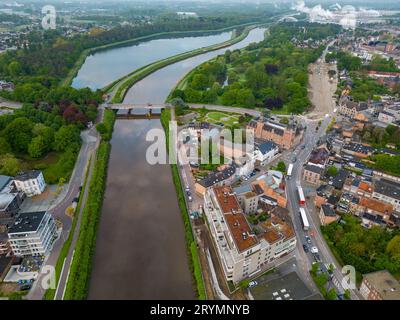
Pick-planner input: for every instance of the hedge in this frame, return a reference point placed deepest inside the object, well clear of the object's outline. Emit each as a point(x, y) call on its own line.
point(78, 282)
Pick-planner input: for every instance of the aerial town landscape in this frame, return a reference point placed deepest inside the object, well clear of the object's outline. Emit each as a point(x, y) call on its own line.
point(199, 150)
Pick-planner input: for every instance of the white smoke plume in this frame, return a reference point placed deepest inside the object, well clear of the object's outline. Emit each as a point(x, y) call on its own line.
point(347, 16)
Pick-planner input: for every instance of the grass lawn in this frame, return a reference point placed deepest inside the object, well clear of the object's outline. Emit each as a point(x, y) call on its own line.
point(228, 119)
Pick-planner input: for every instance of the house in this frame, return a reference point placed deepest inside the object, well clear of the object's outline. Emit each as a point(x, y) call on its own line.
point(340, 178)
point(225, 176)
point(319, 157)
point(241, 252)
point(265, 152)
point(358, 150)
point(285, 136)
point(32, 234)
point(380, 285)
point(387, 117)
point(273, 185)
point(324, 192)
point(327, 215)
point(351, 108)
point(31, 182)
point(312, 174)
point(373, 212)
point(387, 191)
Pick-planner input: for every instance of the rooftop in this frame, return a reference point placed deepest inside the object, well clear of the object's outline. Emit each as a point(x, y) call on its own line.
point(4, 180)
point(267, 146)
point(27, 175)
point(315, 169)
point(388, 188)
point(319, 156)
point(218, 176)
point(328, 211)
point(27, 222)
point(387, 286)
point(376, 205)
point(238, 226)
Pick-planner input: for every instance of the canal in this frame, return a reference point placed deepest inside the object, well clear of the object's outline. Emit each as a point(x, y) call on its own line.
point(104, 67)
point(140, 249)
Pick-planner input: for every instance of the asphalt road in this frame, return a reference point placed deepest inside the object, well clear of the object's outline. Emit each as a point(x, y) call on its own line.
point(89, 144)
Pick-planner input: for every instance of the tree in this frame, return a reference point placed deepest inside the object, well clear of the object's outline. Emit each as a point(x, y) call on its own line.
point(37, 147)
point(331, 295)
point(393, 247)
point(9, 165)
point(65, 137)
point(19, 134)
point(101, 128)
point(281, 166)
point(332, 171)
point(4, 146)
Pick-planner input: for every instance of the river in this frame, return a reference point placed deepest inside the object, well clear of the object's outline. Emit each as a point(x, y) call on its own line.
point(104, 67)
point(140, 250)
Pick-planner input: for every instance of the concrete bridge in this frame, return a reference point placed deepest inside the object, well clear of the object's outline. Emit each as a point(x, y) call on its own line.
point(126, 109)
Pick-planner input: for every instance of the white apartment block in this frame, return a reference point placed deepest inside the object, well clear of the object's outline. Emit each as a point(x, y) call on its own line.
point(241, 252)
point(33, 234)
point(31, 182)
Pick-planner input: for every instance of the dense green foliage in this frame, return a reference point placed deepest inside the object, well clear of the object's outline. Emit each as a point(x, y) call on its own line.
point(30, 134)
point(81, 266)
point(367, 250)
point(365, 88)
point(345, 60)
point(272, 74)
point(191, 245)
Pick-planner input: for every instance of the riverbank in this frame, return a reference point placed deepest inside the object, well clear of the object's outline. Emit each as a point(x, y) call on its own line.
point(78, 280)
point(74, 71)
point(120, 87)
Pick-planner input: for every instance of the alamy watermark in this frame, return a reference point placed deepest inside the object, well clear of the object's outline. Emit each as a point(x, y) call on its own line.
point(49, 18)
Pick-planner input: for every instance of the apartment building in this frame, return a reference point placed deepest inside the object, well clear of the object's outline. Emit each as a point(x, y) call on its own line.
point(380, 285)
point(32, 234)
point(31, 182)
point(285, 136)
point(243, 253)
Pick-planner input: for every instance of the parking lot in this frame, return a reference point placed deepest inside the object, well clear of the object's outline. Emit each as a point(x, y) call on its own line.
point(286, 287)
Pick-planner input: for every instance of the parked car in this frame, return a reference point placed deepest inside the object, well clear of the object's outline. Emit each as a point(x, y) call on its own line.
point(303, 146)
point(252, 284)
point(317, 257)
point(190, 198)
point(314, 250)
point(187, 188)
point(308, 239)
point(25, 287)
point(305, 247)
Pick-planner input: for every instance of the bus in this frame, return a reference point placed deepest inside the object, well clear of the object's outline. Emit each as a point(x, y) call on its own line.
point(302, 200)
point(289, 171)
point(304, 220)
